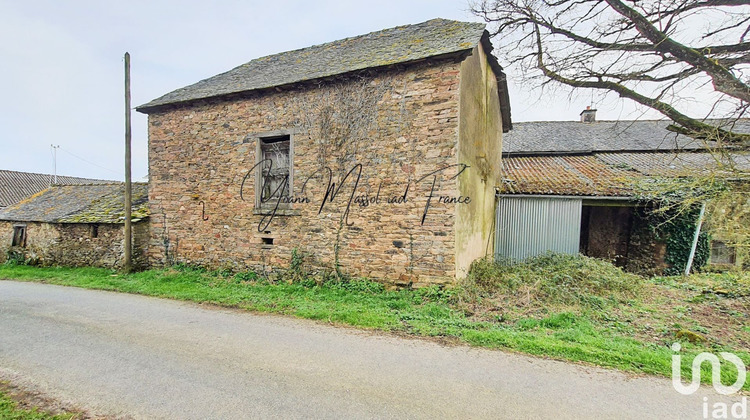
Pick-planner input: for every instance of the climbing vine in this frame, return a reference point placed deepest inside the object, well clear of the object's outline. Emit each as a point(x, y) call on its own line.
point(677, 230)
point(339, 120)
point(680, 232)
point(723, 185)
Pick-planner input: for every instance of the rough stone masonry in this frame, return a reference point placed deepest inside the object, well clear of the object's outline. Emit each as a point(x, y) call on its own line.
point(392, 172)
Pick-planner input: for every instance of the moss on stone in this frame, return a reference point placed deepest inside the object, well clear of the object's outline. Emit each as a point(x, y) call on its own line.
point(690, 336)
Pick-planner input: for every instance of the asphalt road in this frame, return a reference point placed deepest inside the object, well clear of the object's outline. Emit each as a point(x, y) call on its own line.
point(119, 354)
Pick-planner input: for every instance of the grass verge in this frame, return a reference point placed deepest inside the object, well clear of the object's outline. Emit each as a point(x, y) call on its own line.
point(10, 410)
point(567, 308)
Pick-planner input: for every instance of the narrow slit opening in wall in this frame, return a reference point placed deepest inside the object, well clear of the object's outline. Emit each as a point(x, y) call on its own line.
point(267, 241)
point(19, 236)
point(94, 231)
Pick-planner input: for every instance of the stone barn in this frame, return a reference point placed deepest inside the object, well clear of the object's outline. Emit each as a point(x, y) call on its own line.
point(15, 185)
point(75, 225)
point(578, 187)
point(375, 156)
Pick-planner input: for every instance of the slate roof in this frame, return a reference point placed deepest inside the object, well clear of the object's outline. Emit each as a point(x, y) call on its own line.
point(402, 44)
point(548, 137)
point(681, 164)
point(604, 174)
point(98, 203)
point(15, 186)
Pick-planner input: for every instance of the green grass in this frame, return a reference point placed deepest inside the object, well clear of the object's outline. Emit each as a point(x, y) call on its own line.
point(9, 411)
point(576, 312)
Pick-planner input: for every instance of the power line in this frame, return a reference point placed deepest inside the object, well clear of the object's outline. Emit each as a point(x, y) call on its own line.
point(89, 162)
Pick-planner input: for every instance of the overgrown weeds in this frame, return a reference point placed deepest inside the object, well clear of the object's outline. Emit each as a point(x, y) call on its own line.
point(547, 281)
point(10, 409)
point(15, 257)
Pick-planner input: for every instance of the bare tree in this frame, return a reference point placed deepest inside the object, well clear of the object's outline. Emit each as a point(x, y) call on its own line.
point(664, 54)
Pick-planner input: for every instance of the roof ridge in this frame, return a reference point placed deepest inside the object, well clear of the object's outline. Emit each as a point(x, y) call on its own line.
point(399, 44)
point(349, 38)
point(51, 175)
point(98, 184)
point(626, 121)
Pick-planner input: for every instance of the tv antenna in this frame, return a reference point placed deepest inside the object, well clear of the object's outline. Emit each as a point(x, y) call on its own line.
point(54, 162)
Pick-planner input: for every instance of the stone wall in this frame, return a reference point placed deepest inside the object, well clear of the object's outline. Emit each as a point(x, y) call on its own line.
point(141, 240)
point(646, 251)
point(606, 232)
point(73, 245)
point(6, 238)
point(480, 147)
point(400, 125)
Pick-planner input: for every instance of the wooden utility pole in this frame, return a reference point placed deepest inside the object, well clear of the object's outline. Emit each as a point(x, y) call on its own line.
point(127, 265)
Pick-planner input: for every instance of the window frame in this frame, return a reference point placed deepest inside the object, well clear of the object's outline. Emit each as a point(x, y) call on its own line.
point(23, 229)
point(718, 247)
point(258, 139)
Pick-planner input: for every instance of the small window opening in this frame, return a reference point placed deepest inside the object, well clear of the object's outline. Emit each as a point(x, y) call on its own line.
point(722, 253)
point(19, 236)
point(94, 231)
point(267, 241)
point(275, 170)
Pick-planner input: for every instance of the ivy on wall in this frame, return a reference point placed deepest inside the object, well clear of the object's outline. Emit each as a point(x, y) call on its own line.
point(678, 231)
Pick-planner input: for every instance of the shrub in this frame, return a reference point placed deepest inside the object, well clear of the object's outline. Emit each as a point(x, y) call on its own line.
point(15, 257)
point(553, 278)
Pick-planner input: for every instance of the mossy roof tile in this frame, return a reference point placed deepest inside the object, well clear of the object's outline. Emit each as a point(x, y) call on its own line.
point(96, 203)
point(608, 174)
point(15, 185)
point(377, 49)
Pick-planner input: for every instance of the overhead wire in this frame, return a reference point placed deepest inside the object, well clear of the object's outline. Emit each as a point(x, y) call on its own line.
point(90, 163)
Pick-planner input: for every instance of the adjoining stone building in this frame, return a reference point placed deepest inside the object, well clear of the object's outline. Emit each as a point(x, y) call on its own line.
point(15, 185)
point(75, 225)
point(581, 187)
point(376, 155)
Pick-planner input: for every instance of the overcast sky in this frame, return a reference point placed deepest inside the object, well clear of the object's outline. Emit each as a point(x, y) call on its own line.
point(61, 66)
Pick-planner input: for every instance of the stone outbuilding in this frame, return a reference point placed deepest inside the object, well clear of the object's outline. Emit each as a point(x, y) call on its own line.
point(15, 185)
point(75, 225)
point(376, 156)
point(581, 187)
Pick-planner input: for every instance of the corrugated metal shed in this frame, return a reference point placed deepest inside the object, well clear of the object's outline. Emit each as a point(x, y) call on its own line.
point(526, 227)
point(565, 175)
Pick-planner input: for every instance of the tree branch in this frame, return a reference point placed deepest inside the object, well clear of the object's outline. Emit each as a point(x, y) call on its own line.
point(694, 127)
point(723, 80)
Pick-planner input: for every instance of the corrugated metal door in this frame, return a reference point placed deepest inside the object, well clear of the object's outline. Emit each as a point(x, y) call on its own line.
point(529, 226)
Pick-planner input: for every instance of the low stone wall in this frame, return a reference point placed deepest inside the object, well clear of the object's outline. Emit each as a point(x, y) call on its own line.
point(606, 233)
point(6, 238)
point(75, 245)
point(646, 252)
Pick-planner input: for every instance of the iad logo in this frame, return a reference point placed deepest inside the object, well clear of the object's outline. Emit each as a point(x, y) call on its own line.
point(715, 372)
point(719, 410)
